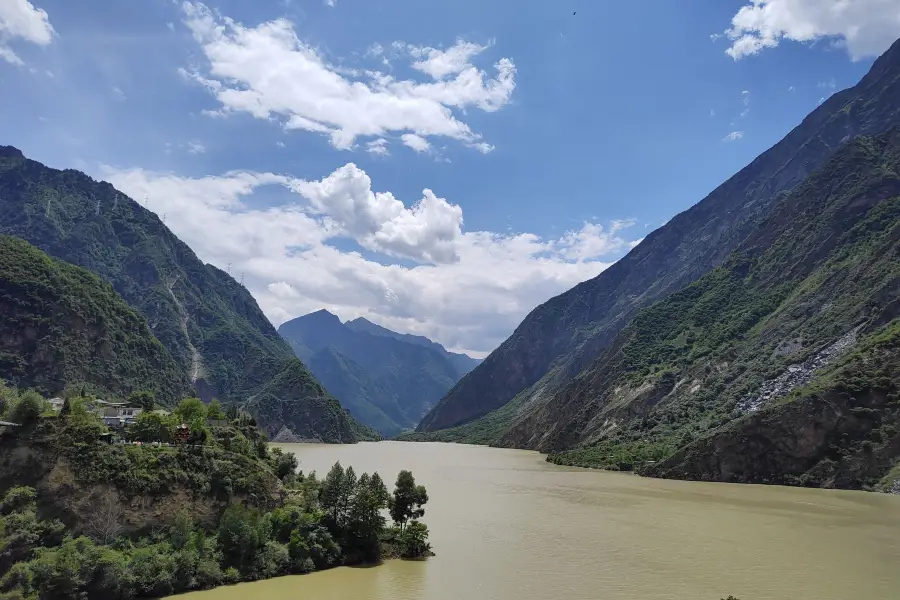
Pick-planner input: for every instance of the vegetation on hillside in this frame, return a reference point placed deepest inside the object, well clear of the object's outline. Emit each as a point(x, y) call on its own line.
point(808, 281)
point(212, 327)
point(268, 519)
point(63, 326)
point(385, 379)
point(562, 337)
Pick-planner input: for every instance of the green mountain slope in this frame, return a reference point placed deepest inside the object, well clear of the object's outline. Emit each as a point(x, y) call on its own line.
point(210, 324)
point(356, 390)
point(295, 407)
point(562, 337)
point(62, 325)
point(376, 373)
point(728, 358)
point(463, 362)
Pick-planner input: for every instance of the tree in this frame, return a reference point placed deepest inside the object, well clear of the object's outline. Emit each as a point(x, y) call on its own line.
point(335, 495)
point(407, 500)
point(214, 410)
point(414, 541)
point(283, 463)
point(27, 409)
point(105, 520)
point(191, 410)
point(365, 521)
point(150, 427)
point(142, 399)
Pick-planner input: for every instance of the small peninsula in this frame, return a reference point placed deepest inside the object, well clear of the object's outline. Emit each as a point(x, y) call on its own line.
point(128, 500)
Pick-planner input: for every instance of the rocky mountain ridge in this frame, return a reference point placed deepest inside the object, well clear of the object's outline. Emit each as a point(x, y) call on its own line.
point(211, 325)
point(385, 379)
point(560, 338)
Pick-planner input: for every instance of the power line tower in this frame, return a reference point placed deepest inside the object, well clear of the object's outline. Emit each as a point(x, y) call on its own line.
point(115, 202)
point(242, 279)
point(228, 269)
point(97, 208)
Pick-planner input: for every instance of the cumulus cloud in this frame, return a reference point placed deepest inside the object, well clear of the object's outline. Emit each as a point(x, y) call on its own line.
point(734, 136)
point(465, 289)
point(378, 147)
point(416, 142)
point(196, 148)
point(20, 20)
point(865, 27)
point(269, 72)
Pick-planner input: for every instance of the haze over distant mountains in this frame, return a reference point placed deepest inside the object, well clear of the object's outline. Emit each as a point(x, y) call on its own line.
point(386, 379)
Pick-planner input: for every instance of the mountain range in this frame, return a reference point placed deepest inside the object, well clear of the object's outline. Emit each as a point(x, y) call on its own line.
point(212, 329)
point(748, 339)
point(385, 379)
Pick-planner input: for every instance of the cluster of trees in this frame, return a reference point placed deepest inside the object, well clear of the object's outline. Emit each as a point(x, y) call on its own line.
point(325, 524)
point(20, 407)
point(309, 525)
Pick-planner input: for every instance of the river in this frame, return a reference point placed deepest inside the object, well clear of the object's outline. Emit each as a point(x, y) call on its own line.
point(506, 525)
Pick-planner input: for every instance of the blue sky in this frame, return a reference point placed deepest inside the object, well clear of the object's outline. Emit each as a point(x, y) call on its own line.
point(438, 167)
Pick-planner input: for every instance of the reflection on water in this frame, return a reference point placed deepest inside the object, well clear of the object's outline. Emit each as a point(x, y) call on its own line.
point(506, 525)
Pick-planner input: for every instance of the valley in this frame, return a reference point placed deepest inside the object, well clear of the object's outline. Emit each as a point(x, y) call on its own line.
point(251, 346)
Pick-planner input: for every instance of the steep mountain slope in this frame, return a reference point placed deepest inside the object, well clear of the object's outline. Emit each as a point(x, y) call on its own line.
point(810, 280)
point(374, 372)
point(62, 325)
point(210, 324)
point(463, 362)
point(560, 338)
point(356, 390)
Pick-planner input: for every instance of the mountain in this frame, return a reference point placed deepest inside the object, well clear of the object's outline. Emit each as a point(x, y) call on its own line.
point(463, 362)
point(210, 325)
point(779, 366)
point(562, 337)
point(63, 326)
point(385, 379)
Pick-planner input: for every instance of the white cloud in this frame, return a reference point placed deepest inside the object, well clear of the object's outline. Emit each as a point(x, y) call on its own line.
point(865, 27)
point(416, 142)
point(119, 94)
point(467, 290)
point(378, 147)
point(20, 20)
point(440, 63)
point(330, 3)
point(270, 73)
point(712, 112)
point(827, 85)
point(196, 148)
point(792, 89)
point(734, 136)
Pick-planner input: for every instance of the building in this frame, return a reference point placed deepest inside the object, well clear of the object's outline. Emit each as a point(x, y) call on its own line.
point(181, 434)
point(56, 404)
point(118, 417)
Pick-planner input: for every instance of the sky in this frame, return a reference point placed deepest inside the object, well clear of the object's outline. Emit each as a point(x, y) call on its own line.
point(440, 168)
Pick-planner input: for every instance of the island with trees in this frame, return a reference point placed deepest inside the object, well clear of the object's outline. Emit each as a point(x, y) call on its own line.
point(176, 501)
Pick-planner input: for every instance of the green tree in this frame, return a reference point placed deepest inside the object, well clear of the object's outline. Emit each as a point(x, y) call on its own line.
point(27, 409)
point(336, 493)
point(150, 427)
point(214, 410)
point(365, 519)
point(284, 464)
point(191, 410)
point(414, 540)
point(242, 534)
point(143, 399)
point(408, 499)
